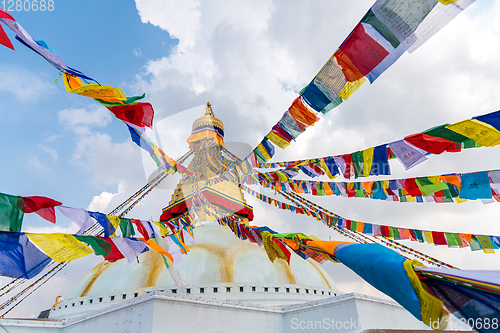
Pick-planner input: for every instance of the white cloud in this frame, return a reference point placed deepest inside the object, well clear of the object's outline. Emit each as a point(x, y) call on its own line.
point(77, 118)
point(34, 163)
point(137, 52)
point(50, 151)
point(24, 84)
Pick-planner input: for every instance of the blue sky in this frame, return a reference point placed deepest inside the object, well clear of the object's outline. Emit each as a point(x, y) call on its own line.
point(249, 59)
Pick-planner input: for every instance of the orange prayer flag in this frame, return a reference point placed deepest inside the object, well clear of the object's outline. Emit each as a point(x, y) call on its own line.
point(467, 237)
point(327, 188)
point(327, 246)
point(452, 179)
point(368, 186)
point(152, 244)
point(294, 245)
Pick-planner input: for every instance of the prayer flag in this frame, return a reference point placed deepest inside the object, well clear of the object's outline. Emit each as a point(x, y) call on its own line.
point(11, 213)
point(60, 247)
point(19, 258)
point(407, 154)
point(42, 206)
point(478, 131)
point(475, 186)
point(359, 54)
point(80, 216)
point(139, 114)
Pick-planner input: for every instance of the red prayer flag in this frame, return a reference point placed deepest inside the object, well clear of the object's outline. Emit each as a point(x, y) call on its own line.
point(42, 206)
point(431, 144)
point(359, 54)
point(279, 131)
point(114, 254)
point(140, 114)
point(384, 230)
point(5, 15)
point(412, 188)
point(439, 238)
point(4, 40)
point(348, 166)
point(141, 228)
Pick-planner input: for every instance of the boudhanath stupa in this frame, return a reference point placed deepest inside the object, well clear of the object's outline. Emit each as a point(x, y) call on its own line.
point(228, 285)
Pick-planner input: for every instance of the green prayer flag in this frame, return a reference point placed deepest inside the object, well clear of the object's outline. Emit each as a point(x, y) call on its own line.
point(427, 187)
point(126, 228)
point(469, 143)
point(381, 28)
point(395, 233)
point(358, 163)
point(320, 190)
point(354, 225)
point(99, 246)
point(444, 133)
point(129, 100)
point(450, 239)
point(11, 212)
point(418, 233)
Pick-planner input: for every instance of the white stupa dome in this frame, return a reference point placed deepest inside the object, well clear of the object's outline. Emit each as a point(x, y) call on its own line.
point(219, 265)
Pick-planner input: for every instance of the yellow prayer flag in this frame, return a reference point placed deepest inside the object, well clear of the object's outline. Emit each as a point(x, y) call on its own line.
point(72, 82)
point(60, 247)
point(410, 198)
point(459, 200)
point(351, 87)
point(447, 2)
point(482, 133)
point(428, 236)
point(360, 226)
point(367, 161)
point(106, 93)
point(274, 138)
point(486, 244)
point(431, 308)
point(163, 230)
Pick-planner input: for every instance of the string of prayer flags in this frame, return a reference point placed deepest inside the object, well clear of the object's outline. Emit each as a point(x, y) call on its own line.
point(332, 220)
point(389, 28)
point(39, 47)
point(412, 150)
point(386, 270)
point(140, 138)
point(457, 187)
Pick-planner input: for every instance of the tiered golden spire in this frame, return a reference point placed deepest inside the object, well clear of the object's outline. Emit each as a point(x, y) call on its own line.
point(205, 162)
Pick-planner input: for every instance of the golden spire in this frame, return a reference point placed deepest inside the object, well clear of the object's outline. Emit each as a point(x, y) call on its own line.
point(207, 126)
